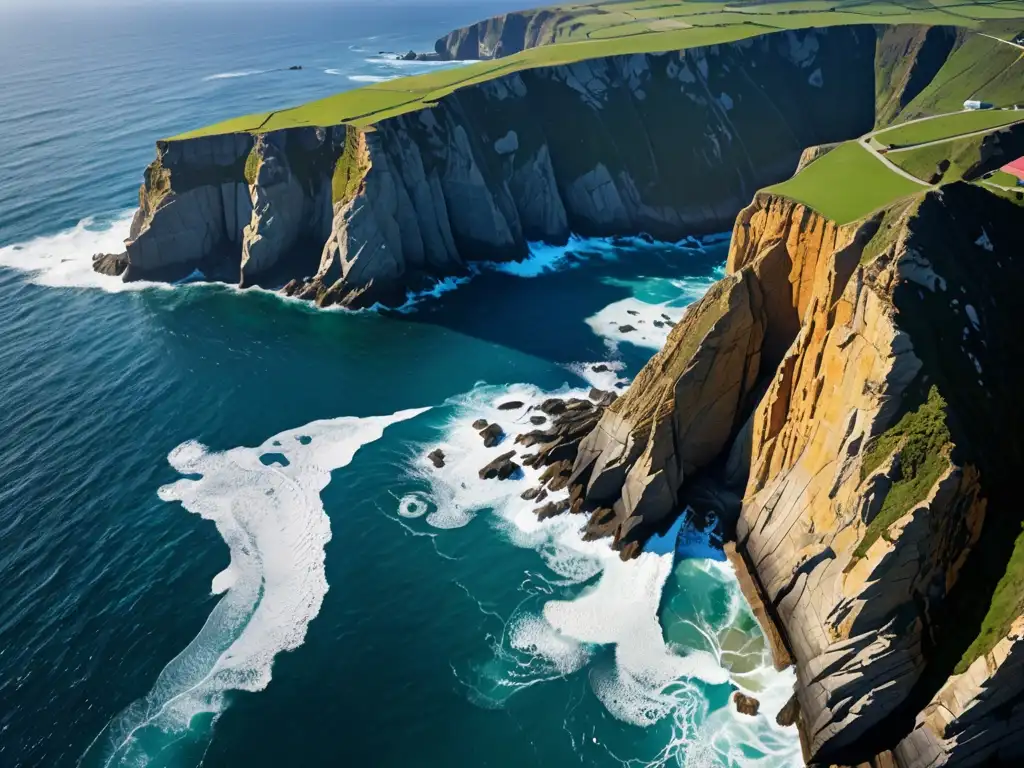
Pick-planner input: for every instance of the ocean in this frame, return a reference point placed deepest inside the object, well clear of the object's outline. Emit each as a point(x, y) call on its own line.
point(221, 542)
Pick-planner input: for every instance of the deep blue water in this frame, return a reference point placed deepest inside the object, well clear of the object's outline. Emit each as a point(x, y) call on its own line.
point(220, 542)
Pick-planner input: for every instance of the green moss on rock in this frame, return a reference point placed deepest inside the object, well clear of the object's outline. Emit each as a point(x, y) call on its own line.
point(252, 166)
point(350, 168)
point(923, 441)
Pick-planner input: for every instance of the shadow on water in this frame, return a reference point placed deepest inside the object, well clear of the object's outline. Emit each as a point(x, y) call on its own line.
point(546, 316)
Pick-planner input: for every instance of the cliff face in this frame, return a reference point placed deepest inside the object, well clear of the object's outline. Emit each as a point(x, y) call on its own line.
point(669, 144)
point(501, 35)
point(873, 450)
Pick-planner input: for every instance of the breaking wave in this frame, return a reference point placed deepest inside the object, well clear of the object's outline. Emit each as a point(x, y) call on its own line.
point(265, 502)
point(604, 603)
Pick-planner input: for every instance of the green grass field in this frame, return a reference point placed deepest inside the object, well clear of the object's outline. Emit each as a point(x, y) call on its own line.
point(847, 184)
point(948, 126)
point(609, 29)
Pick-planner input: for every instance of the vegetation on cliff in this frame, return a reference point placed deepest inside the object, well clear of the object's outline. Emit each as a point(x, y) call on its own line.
point(581, 32)
point(349, 169)
point(846, 184)
point(922, 442)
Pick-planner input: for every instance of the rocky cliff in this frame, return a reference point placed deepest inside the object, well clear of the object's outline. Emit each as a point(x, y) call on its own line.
point(504, 35)
point(669, 144)
point(853, 386)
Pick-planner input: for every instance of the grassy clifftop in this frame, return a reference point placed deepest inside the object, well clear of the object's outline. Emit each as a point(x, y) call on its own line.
point(578, 32)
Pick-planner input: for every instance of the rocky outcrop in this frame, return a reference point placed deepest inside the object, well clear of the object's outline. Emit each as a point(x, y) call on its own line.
point(676, 143)
point(874, 451)
point(976, 718)
point(678, 414)
point(501, 36)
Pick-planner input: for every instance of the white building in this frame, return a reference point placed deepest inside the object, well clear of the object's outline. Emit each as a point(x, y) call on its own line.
point(975, 104)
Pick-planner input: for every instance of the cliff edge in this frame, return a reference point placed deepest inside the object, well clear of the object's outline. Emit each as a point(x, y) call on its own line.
point(851, 391)
point(674, 144)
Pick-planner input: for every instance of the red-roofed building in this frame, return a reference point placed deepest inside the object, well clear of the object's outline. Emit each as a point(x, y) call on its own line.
point(1016, 168)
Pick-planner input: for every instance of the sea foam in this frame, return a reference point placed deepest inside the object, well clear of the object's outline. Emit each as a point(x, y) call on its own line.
point(616, 605)
point(265, 503)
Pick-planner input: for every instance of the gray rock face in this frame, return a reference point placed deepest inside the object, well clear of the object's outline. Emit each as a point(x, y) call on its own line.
point(189, 209)
point(495, 165)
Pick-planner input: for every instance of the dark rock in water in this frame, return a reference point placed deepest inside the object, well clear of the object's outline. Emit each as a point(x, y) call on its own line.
point(602, 398)
point(112, 264)
point(511, 405)
point(659, 324)
point(410, 56)
point(600, 368)
point(537, 419)
point(530, 459)
point(553, 406)
point(746, 705)
point(622, 385)
point(626, 328)
point(632, 312)
point(530, 494)
point(480, 424)
point(666, 317)
point(492, 435)
point(295, 67)
point(552, 509)
point(502, 468)
point(789, 713)
point(437, 457)
point(542, 495)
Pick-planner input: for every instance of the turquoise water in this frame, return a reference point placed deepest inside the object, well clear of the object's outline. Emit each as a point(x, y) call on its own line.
point(220, 541)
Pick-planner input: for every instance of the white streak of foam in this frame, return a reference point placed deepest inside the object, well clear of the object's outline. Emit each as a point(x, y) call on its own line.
point(64, 260)
point(233, 75)
point(365, 78)
point(273, 521)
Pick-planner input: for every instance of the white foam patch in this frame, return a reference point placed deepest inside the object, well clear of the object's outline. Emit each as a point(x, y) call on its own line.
point(605, 376)
point(636, 322)
point(391, 61)
point(649, 681)
point(365, 78)
point(533, 635)
point(233, 75)
point(64, 260)
point(270, 515)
